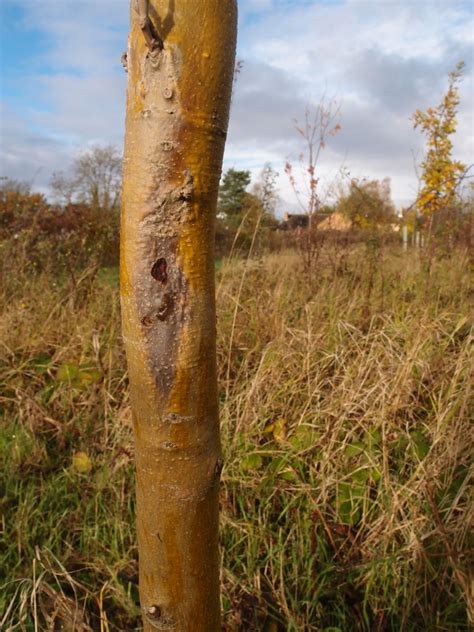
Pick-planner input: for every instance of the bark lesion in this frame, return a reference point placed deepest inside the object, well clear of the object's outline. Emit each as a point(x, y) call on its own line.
point(159, 270)
point(165, 307)
point(186, 191)
point(169, 209)
point(161, 298)
point(159, 619)
point(175, 418)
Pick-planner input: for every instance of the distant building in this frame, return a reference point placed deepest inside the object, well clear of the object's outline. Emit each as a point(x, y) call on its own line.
point(335, 221)
point(323, 221)
point(293, 221)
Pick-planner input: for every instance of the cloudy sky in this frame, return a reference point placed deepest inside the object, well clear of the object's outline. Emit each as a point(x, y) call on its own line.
point(63, 87)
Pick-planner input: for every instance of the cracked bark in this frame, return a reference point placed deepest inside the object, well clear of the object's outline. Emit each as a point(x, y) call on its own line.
point(177, 113)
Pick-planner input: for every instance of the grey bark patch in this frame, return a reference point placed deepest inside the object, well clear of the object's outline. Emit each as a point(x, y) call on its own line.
point(161, 291)
point(165, 307)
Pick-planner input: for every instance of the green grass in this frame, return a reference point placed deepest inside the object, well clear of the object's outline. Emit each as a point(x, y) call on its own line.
point(109, 276)
point(345, 409)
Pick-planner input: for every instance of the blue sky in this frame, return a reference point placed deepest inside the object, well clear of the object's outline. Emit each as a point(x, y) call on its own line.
point(63, 88)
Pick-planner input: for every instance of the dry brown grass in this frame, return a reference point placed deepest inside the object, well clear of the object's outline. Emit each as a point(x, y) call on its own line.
point(347, 432)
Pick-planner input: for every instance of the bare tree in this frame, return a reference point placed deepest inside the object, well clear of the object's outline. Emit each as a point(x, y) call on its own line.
point(9, 185)
point(95, 177)
point(319, 124)
point(265, 189)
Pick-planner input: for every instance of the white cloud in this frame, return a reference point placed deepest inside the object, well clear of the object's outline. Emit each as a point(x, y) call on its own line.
point(381, 58)
point(28, 154)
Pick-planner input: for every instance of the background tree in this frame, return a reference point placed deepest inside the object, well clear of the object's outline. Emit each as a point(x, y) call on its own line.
point(251, 214)
point(95, 178)
point(180, 67)
point(232, 193)
point(47, 238)
point(9, 185)
point(232, 208)
point(367, 203)
point(265, 189)
point(258, 207)
point(440, 174)
point(319, 124)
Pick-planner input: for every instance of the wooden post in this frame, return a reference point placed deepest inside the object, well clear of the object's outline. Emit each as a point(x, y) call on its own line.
point(405, 237)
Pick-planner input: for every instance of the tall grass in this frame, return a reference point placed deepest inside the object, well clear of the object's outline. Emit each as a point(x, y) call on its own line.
point(345, 407)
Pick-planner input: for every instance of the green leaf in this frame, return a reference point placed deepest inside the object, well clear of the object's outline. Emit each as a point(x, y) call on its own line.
point(81, 463)
point(251, 462)
point(89, 376)
point(279, 430)
point(67, 373)
point(375, 474)
point(303, 438)
point(42, 363)
point(288, 475)
point(354, 449)
point(80, 377)
point(101, 478)
point(420, 443)
point(361, 475)
point(349, 502)
point(281, 467)
point(373, 438)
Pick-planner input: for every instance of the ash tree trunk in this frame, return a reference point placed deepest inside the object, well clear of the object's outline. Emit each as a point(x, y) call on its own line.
point(180, 65)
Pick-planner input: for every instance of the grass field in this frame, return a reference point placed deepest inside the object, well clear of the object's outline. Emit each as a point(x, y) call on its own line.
point(347, 433)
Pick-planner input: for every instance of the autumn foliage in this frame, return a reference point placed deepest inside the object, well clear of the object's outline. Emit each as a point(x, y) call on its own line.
point(51, 237)
point(441, 174)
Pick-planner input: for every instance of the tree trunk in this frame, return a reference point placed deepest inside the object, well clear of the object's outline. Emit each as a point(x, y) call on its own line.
point(180, 67)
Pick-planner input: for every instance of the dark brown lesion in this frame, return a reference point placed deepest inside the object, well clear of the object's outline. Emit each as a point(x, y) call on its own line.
point(164, 310)
point(147, 321)
point(159, 271)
